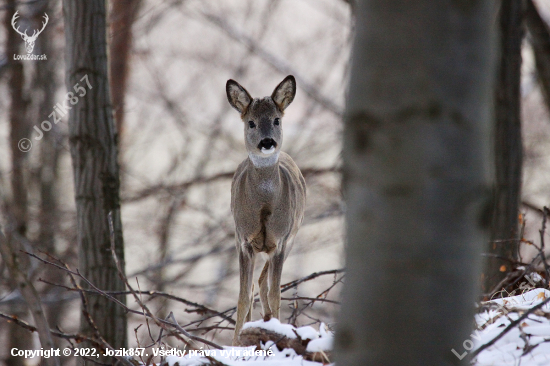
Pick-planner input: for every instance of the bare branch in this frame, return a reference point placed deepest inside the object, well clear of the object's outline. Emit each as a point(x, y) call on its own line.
point(30, 295)
point(277, 63)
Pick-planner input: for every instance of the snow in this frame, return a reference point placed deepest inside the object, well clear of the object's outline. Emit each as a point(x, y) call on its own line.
point(527, 344)
point(320, 344)
point(235, 356)
point(307, 333)
point(524, 301)
point(512, 349)
point(273, 325)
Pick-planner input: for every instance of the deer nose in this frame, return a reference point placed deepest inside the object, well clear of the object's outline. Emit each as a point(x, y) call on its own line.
point(267, 144)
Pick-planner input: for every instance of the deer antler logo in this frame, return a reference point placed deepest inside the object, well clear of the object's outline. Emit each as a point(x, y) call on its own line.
point(29, 40)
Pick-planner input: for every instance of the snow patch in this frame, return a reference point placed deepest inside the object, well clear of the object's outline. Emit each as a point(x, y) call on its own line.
point(512, 349)
point(320, 344)
point(273, 325)
point(307, 333)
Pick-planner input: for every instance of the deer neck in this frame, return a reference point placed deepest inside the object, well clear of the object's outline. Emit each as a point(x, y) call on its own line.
point(261, 162)
point(264, 177)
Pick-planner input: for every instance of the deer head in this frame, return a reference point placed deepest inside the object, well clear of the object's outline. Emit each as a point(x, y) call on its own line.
point(262, 118)
point(29, 40)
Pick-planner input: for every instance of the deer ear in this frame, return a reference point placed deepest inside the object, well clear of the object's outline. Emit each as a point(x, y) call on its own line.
point(284, 93)
point(237, 96)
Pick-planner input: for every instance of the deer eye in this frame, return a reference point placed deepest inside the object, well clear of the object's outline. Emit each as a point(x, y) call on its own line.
point(276, 122)
point(251, 124)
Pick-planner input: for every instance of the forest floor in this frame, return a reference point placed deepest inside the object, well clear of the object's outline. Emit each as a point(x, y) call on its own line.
point(526, 323)
point(522, 322)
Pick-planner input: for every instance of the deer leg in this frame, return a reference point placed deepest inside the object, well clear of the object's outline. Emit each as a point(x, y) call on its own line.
point(263, 291)
point(249, 315)
point(246, 269)
point(275, 271)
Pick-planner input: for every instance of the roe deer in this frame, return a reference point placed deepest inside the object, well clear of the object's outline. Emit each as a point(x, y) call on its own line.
point(268, 197)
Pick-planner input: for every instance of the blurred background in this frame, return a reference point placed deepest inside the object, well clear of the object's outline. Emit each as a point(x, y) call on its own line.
point(180, 142)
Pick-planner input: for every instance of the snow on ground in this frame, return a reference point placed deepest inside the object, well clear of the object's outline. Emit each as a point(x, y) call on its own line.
point(527, 344)
point(270, 355)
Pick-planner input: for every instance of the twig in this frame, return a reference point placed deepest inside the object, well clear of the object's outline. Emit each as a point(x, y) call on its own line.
point(23, 324)
point(295, 283)
point(542, 232)
point(510, 326)
point(277, 63)
point(30, 295)
point(146, 310)
point(153, 293)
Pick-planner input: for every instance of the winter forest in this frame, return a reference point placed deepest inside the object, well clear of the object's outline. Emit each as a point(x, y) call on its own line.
point(387, 203)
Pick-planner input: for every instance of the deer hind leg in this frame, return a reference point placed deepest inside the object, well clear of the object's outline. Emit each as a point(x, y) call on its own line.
point(263, 291)
point(246, 269)
point(249, 315)
point(275, 271)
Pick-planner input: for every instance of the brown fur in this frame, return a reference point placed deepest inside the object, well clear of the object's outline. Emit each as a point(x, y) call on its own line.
point(268, 196)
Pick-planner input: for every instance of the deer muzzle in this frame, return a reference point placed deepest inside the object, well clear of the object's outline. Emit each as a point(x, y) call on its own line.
point(267, 146)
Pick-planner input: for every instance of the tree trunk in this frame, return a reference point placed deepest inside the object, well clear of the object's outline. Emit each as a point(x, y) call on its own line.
point(122, 18)
point(93, 141)
point(416, 182)
point(508, 148)
point(17, 337)
point(540, 39)
point(43, 93)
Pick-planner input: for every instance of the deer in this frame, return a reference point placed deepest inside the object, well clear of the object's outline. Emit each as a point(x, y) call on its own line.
point(268, 198)
point(29, 40)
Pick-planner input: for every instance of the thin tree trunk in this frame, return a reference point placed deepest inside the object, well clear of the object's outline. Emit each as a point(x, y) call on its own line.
point(44, 88)
point(122, 17)
point(93, 141)
point(9, 251)
point(508, 148)
point(540, 39)
point(416, 157)
point(17, 337)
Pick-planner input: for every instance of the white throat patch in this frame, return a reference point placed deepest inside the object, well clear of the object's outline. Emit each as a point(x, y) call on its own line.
point(260, 161)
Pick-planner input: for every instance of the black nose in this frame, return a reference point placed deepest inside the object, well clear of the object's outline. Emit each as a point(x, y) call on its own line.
point(267, 143)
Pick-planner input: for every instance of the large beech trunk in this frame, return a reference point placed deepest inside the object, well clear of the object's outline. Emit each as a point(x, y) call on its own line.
point(416, 180)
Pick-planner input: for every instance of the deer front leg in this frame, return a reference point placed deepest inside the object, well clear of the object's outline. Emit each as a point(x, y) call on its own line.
point(275, 271)
point(246, 270)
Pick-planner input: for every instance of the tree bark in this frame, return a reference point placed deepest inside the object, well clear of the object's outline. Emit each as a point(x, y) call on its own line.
point(122, 17)
point(93, 141)
point(416, 181)
point(43, 91)
point(508, 148)
point(540, 40)
point(17, 337)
